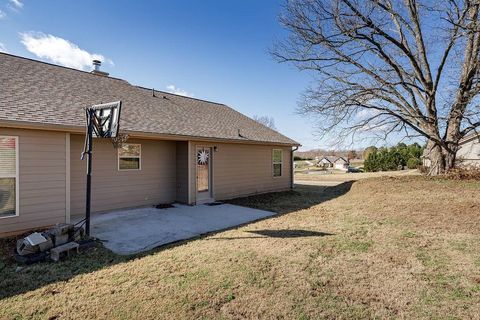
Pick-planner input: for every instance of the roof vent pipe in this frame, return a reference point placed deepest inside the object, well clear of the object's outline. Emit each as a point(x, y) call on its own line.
point(96, 65)
point(96, 68)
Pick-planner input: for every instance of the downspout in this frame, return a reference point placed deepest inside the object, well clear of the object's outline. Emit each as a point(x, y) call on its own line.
point(292, 168)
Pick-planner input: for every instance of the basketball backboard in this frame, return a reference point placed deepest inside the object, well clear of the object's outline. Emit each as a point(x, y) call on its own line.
point(105, 119)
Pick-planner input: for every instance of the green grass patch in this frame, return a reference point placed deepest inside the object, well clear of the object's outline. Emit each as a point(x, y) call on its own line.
point(432, 259)
point(409, 234)
point(354, 245)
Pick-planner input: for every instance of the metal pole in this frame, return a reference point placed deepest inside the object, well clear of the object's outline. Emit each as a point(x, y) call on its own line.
point(89, 172)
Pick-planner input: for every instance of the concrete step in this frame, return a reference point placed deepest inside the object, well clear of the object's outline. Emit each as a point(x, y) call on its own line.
point(55, 252)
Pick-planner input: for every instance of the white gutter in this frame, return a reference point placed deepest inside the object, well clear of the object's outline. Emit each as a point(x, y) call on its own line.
point(292, 168)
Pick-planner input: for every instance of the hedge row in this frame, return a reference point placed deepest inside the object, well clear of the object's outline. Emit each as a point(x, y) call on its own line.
point(394, 158)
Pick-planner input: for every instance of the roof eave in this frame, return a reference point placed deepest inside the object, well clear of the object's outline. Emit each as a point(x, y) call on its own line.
point(470, 137)
point(135, 134)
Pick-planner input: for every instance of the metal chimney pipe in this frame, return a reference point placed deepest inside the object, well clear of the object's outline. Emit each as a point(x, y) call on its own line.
point(97, 64)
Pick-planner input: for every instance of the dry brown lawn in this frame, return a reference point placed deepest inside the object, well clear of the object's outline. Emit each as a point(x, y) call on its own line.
point(339, 176)
point(390, 247)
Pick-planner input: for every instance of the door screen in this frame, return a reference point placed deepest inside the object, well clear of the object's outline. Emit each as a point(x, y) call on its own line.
point(203, 169)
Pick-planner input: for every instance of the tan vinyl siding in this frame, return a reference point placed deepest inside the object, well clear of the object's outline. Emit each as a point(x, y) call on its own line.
point(468, 155)
point(241, 169)
point(168, 171)
point(113, 189)
point(42, 168)
point(182, 171)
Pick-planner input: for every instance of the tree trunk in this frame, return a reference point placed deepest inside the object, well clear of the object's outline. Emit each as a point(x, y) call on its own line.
point(441, 160)
point(437, 161)
point(450, 158)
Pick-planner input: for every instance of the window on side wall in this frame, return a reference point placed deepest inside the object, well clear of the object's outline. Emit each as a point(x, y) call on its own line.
point(8, 176)
point(130, 157)
point(277, 162)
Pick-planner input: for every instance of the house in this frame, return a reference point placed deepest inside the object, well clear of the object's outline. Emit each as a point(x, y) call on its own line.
point(326, 161)
point(179, 149)
point(468, 154)
point(333, 162)
point(341, 163)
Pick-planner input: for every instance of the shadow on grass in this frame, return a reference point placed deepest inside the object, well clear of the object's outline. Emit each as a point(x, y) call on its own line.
point(285, 233)
point(282, 233)
point(302, 197)
point(14, 281)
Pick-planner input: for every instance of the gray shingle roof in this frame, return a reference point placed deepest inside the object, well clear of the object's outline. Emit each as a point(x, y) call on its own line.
point(333, 159)
point(330, 159)
point(37, 92)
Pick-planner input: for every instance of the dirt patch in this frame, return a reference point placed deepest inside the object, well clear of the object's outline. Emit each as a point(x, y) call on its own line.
point(464, 174)
point(9, 245)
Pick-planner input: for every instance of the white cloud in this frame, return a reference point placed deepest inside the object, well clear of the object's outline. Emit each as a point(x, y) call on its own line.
point(17, 4)
point(173, 89)
point(60, 51)
point(2, 48)
point(2, 14)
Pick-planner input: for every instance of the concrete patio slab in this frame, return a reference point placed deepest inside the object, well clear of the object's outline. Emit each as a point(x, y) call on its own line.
point(136, 230)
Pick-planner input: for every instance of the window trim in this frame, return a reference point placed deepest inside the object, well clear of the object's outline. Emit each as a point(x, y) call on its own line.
point(276, 162)
point(17, 180)
point(135, 157)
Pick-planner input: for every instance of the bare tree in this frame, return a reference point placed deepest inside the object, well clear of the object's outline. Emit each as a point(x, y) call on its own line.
point(266, 121)
point(406, 67)
point(352, 154)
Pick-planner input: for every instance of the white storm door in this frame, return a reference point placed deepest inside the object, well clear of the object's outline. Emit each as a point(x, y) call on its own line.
point(204, 174)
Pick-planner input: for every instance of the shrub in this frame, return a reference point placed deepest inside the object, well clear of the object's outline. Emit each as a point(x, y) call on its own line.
point(394, 158)
point(413, 163)
point(299, 158)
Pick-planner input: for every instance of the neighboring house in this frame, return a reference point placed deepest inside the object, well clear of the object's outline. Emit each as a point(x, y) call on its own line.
point(341, 163)
point(179, 149)
point(326, 161)
point(468, 154)
point(333, 162)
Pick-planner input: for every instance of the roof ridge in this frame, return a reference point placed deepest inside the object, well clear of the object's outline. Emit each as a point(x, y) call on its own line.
point(109, 77)
point(59, 66)
point(179, 95)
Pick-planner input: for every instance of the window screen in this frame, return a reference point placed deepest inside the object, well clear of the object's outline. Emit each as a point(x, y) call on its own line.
point(8, 176)
point(129, 157)
point(277, 162)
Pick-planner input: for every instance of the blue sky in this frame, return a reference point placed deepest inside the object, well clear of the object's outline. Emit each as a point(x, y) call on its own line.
point(214, 50)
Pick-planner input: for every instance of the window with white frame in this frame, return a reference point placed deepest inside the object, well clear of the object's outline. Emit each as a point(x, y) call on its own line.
point(8, 176)
point(129, 157)
point(277, 158)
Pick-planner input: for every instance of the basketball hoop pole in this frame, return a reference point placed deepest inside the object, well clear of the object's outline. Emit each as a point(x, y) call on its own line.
point(89, 171)
point(103, 120)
